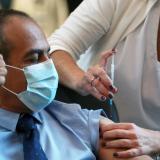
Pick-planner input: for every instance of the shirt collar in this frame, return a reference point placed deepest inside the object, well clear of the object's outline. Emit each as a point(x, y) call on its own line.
point(8, 119)
point(36, 116)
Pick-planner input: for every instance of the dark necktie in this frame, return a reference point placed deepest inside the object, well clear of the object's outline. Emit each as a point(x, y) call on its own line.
point(31, 146)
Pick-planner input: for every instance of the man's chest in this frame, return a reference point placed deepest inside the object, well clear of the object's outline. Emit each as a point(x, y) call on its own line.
point(10, 146)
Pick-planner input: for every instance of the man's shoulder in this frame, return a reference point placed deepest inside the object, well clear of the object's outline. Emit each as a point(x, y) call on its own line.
point(62, 105)
point(61, 109)
point(63, 112)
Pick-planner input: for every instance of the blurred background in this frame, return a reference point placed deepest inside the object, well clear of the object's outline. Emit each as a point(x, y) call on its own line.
point(50, 14)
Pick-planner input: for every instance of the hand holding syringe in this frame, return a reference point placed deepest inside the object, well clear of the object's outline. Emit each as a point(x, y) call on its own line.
point(96, 81)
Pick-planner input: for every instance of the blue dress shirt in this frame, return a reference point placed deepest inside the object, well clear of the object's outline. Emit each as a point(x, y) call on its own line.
point(66, 132)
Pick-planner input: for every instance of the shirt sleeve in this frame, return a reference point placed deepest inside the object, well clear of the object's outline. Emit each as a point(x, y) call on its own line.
point(94, 118)
point(88, 23)
point(91, 119)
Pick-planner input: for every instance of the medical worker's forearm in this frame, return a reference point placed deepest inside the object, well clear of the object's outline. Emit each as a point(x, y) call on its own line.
point(69, 73)
point(94, 81)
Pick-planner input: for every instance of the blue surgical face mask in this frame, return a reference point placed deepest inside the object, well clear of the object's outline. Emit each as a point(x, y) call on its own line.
point(42, 83)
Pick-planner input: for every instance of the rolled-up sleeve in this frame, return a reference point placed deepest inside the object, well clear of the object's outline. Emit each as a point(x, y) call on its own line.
point(94, 118)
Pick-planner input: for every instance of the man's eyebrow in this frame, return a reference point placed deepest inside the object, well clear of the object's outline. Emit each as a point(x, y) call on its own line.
point(39, 51)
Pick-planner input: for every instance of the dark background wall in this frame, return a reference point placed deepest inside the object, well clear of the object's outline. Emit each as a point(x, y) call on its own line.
point(72, 4)
point(5, 4)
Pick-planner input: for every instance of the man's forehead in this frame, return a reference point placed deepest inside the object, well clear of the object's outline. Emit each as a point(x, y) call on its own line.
point(20, 23)
point(25, 35)
point(23, 29)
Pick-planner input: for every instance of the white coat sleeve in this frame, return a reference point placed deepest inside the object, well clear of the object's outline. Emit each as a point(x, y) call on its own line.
point(88, 23)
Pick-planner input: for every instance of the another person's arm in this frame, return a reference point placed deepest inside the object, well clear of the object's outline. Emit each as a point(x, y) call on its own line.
point(106, 153)
point(87, 24)
point(136, 140)
point(94, 81)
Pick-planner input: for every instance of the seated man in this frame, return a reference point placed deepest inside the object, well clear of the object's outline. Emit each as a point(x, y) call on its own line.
point(32, 125)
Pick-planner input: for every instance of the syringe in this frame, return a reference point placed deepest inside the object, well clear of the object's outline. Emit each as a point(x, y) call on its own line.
point(112, 75)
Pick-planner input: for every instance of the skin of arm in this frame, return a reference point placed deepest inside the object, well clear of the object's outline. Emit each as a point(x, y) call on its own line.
point(69, 72)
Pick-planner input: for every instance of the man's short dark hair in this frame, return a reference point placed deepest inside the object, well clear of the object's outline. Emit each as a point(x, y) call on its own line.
point(5, 47)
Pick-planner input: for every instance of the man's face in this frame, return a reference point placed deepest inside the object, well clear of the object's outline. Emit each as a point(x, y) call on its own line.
point(28, 46)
